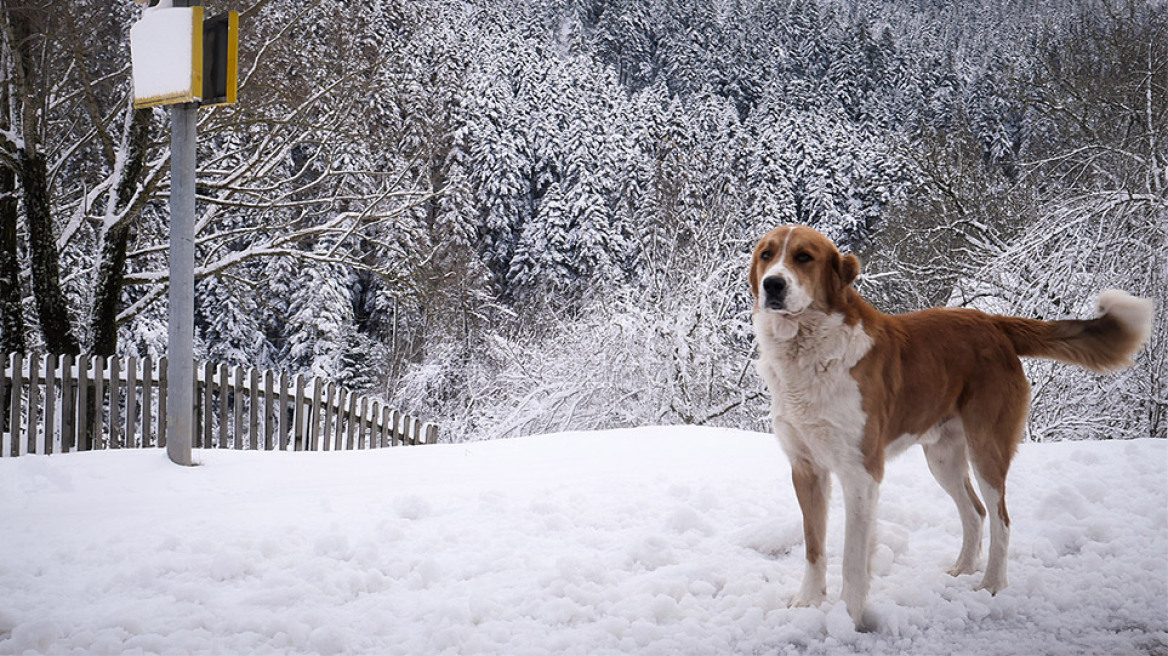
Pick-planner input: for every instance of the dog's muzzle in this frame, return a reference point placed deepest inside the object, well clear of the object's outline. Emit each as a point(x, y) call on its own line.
point(774, 290)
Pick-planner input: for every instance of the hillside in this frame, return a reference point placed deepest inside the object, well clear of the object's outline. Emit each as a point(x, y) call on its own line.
point(667, 540)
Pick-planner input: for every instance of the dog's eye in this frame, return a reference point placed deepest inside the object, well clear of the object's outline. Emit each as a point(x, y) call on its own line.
point(766, 255)
point(803, 258)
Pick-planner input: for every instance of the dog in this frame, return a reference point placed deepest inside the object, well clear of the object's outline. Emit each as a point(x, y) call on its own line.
point(851, 386)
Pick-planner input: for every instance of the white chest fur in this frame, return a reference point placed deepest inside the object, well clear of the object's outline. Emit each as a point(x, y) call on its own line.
point(815, 402)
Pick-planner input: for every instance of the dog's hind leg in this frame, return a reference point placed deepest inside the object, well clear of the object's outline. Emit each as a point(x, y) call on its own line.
point(995, 572)
point(994, 419)
point(950, 466)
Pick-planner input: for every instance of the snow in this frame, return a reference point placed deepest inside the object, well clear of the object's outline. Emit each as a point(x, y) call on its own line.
point(161, 49)
point(667, 540)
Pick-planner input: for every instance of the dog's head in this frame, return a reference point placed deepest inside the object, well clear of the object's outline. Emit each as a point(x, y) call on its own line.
point(796, 269)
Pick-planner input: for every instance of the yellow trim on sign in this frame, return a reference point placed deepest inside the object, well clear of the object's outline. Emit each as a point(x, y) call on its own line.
point(196, 52)
point(232, 55)
point(170, 99)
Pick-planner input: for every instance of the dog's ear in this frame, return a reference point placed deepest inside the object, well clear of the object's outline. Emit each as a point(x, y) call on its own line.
point(754, 278)
point(847, 270)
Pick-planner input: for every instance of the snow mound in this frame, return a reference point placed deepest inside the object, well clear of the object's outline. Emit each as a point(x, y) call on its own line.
point(667, 540)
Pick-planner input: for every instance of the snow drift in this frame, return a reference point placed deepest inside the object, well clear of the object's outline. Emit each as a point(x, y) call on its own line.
point(651, 541)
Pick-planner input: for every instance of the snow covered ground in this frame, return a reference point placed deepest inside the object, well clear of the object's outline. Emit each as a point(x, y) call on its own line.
point(648, 541)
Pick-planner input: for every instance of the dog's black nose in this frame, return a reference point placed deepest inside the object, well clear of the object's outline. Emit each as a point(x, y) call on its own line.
point(775, 288)
point(774, 285)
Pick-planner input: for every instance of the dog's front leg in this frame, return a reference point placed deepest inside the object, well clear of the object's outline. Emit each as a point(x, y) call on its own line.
point(813, 489)
point(861, 492)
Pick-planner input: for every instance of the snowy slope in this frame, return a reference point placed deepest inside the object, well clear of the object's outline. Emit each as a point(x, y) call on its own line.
point(649, 541)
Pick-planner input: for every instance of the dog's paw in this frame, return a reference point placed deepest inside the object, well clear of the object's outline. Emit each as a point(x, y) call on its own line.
point(807, 598)
point(994, 586)
point(962, 568)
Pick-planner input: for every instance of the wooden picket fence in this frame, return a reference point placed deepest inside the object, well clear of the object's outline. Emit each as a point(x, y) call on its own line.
point(56, 405)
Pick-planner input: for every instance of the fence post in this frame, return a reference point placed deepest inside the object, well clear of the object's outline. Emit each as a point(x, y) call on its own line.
point(314, 417)
point(298, 416)
point(17, 392)
point(431, 433)
point(147, 400)
point(354, 418)
point(412, 430)
point(269, 402)
point(360, 419)
point(253, 409)
point(196, 427)
point(370, 419)
point(330, 393)
point(50, 402)
point(224, 386)
point(163, 396)
point(117, 434)
point(131, 401)
point(5, 391)
point(239, 407)
point(99, 403)
point(208, 407)
point(386, 427)
point(344, 413)
point(68, 405)
point(375, 424)
point(84, 428)
point(282, 415)
point(33, 402)
point(115, 421)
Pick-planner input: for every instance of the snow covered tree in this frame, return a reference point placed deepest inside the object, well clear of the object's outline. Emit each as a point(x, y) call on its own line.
point(1056, 269)
point(228, 323)
point(318, 321)
point(821, 171)
point(32, 32)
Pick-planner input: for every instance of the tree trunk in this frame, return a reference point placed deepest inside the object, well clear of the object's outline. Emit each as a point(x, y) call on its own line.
point(42, 254)
point(11, 312)
point(24, 23)
point(103, 320)
point(11, 315)
point(111, 269)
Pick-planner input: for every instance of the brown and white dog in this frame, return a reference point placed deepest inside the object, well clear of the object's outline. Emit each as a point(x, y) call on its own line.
point(851, 386)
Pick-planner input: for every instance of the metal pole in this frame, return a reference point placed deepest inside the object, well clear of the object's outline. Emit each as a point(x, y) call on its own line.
point(182, 283)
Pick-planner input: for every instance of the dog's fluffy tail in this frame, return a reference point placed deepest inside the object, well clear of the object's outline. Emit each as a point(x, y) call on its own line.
point(1102, 344)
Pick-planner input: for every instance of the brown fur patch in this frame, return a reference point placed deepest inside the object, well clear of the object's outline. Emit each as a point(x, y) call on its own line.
point(811, 493)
